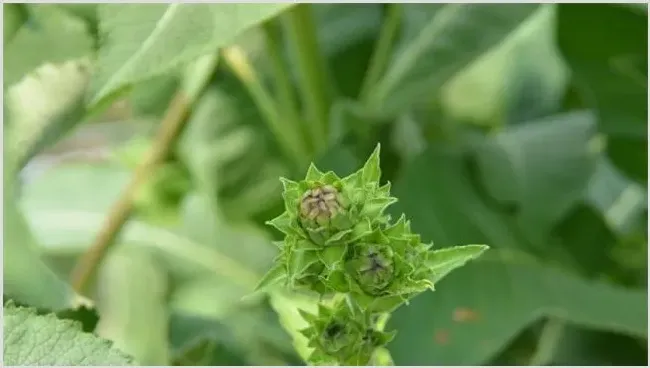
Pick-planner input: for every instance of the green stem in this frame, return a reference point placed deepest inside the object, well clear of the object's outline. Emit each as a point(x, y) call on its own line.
point(289, 140)
point(383, 48)
point(301, 33)
point(283, 86)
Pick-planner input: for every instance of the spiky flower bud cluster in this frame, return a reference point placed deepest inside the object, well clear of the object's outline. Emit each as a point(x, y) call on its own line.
point(339, 240)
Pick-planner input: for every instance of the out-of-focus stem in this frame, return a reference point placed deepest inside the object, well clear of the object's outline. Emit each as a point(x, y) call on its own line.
point(281, 75)
point(301, 33)
point(383, 48)
point(288, 138)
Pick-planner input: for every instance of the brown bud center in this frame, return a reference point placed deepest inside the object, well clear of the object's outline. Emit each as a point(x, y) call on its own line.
point(320, 202)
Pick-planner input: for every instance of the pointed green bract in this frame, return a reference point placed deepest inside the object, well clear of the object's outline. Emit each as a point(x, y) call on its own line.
point(339, 240)
point(441, 262)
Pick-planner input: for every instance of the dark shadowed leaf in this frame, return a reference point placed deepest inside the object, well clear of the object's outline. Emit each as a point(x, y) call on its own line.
point(606, 47)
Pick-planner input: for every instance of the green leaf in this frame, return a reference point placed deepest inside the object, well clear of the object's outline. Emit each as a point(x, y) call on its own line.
point(474, 313)
point(442, 41)
point(30, 339)
point(132, 300)
point(518, 169)
point(53, 36)
point(144, 41)
point(45, 105)
point(443, 261)
point(606, 47)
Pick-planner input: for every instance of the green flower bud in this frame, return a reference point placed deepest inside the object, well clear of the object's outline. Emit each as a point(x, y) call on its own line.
point(373, 267)
point(339, 241)
point(327, 210)
point(343, 334)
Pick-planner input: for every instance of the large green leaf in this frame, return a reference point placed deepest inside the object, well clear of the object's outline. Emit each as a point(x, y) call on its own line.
point(519, 169)
point(45, 105)
point(476, 311)
point(606, 46)
point(437, 194)
point(143, 41)
point(440, 41)
point(35, 340)
point(50, 36)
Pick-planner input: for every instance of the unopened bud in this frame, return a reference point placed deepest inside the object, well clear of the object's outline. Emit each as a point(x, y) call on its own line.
point(373, 268)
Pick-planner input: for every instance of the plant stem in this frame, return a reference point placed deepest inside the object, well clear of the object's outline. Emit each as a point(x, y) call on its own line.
point(282, 77)
point(170, 128)
point(301, 32)
point(288, 138)
point(383, 48)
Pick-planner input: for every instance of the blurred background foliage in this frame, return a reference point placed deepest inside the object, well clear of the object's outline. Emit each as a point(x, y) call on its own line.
point(523, 127)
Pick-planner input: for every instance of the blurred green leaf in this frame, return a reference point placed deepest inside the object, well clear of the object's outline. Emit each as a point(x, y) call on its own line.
point(583, 347)
point(26, 278)
point(131, 298)
point(66, 215)
point(474, 313)
point(13, 17)
point(437, 194)
point(518, 168)
point(44, 105)
point(630, 155)
point(228, 157)
point(288, 307)
point(592, 248)
point(151, 97)
point(606, 47)
point(448, 39)
point(143, 41)
point(346, 34)
point(249, 335)
point(620, 201)
point(45, 340)
point(52, 36)
point(87, 12)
